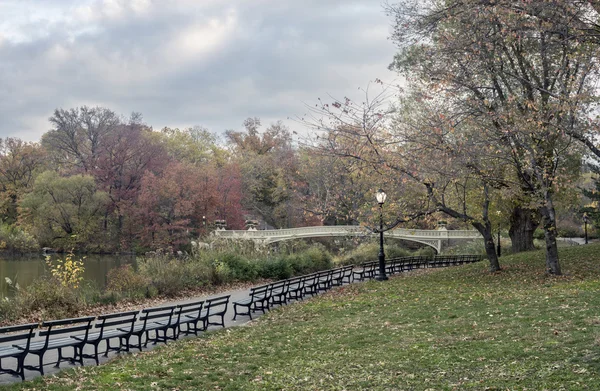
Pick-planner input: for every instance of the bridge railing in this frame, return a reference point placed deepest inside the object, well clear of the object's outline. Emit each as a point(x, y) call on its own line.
point(350, 230)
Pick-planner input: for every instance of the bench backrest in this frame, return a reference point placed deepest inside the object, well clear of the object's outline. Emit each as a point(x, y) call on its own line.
point(73, 325)
point(116, 319)
point(280, 285)
point(296, 283)
point(23, 332)
point(347, 271)
point(310, 279)
point(193, 309)
point(259, 292)
point(157, 313)
point(216, 306)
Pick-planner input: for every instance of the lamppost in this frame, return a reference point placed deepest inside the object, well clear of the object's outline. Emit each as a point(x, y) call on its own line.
point(585, 221)
point(381, 196)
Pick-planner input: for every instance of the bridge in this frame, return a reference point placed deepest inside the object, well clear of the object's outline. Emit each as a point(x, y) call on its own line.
point(433, 238)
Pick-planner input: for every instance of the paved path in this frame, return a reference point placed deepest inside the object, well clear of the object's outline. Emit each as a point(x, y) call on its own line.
point(51, 355)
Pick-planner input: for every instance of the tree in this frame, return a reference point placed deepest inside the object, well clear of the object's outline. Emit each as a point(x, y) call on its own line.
point(169, 210)
point(268, 165)
point(76, 142)
point(19, 164)
point(512, 68)
point(193, 145)
point(126, 154)
point(65, 212)
point(414, 143)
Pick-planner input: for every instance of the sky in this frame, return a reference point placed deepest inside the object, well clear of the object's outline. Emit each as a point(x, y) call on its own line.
point(183, 63)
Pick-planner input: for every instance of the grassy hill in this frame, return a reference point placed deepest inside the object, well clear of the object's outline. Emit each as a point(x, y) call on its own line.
point(458, 328)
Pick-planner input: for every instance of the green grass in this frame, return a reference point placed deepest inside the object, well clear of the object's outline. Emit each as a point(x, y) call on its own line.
point(448, 329)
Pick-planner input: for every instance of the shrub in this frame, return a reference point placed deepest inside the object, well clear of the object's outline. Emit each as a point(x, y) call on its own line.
point(50, 297)
point(169, 275)
point(127, 282)
point(472, 247)
point(223, 273)
point(369, 251)
point(164, 272)
point(9, 309)
point(241, 269)
point(16, 240)
point(277, 268)
point(68, 272)
point(538, 234)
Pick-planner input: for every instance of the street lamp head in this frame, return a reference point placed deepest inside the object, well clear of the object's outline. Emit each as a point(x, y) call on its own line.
point(381, 196)
point(585, 218)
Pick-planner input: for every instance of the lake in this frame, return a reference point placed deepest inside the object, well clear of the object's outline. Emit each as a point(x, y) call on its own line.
point(26, 269)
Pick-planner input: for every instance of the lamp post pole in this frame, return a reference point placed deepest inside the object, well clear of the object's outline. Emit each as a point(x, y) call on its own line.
point(381, 196)
point(585, 221)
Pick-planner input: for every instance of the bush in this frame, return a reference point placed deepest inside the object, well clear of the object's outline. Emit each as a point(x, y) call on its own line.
point(127, 282)
point(277, 268)
point(9, 309)
point(369, 251)
point(169, 275)
point(240, 269)
point(472, 247)
point(568, 229)
point(539, 234)
point(16, 240)
point(50, 297)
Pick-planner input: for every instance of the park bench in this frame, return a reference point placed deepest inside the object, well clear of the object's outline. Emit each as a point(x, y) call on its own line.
point(394, 265)
point(155, 319)
point(189, 314)
point(367, 270)
point(440, 261)
point(342, 275)
point(117, 325)
point(258, 301)
point(60, 328)
point(215, 307)
point(324, 280)
point(279, 292)
point(19, 339)
point(472, 258)
point(310, 284)
point(295, 290)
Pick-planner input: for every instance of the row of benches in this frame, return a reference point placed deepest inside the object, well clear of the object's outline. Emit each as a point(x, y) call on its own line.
point(370, 269)
point(263, 297)
point(158, 324)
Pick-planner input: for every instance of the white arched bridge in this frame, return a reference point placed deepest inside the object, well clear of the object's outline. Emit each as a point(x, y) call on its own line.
point(433, 238)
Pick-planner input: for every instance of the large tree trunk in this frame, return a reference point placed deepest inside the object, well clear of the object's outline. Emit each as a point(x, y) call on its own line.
point(523, 222)
point(549, 221)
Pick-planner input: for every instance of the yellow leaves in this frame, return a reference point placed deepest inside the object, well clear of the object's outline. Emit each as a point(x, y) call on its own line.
point(68, 272)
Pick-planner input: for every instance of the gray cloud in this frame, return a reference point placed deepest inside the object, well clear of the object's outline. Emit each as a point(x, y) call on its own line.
point(190, 62)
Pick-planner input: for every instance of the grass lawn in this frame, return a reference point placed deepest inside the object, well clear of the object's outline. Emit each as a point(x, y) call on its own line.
point(457, 328)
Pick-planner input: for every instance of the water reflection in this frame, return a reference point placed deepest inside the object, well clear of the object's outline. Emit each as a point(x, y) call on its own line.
point(26, 269)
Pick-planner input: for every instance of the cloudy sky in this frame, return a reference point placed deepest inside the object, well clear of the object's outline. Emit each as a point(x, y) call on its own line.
point(185, 62)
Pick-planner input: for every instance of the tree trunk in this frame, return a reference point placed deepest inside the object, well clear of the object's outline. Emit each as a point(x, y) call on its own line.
point(523, 222)
point(490, 247)
point(490, 250)
point(549, 220)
